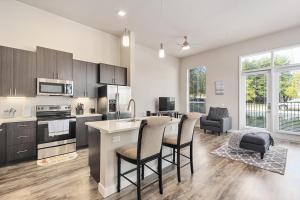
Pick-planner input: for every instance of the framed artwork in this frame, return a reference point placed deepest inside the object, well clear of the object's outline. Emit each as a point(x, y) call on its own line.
point(219, 87)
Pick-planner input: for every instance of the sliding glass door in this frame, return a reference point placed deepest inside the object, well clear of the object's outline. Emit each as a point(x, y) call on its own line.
point(257, 112)
point(288, 112)
point(270, 91)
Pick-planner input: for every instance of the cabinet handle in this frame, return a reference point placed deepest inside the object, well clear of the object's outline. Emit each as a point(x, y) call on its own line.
point(15, 92)
point(22, 136)
point(22, 151)
point(9, 91)
point(57, 75)
point(86, 94)
point(53, 75)
point(22, 125)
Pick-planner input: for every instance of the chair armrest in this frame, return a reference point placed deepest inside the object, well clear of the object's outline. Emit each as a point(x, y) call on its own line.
point(202, 118)
point(226, 124)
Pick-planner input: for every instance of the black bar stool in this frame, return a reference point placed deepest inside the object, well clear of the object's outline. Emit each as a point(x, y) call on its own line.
point(147, 149)
point(183, 139)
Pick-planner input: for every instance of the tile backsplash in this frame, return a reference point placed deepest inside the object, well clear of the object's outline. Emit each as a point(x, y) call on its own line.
point(26, 106)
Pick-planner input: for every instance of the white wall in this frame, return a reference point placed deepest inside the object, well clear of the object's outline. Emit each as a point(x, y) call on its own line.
point(26, 27)
point(223, 64)
point(153, 77)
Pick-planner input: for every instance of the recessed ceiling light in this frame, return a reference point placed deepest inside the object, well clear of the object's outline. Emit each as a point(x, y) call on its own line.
point(122, 13)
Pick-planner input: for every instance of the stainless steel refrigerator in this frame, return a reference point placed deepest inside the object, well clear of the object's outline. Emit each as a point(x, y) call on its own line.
point(113, 101)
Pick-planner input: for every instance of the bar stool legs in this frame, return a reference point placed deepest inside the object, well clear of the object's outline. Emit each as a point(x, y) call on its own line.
point(159, 170)
point(119, 174)
point(178, 165)
point(191, 158)
point(138, 181)
point(143, 171)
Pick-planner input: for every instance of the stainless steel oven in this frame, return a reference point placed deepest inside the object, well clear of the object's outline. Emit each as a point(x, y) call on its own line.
point(54, 87)
point(50, 144)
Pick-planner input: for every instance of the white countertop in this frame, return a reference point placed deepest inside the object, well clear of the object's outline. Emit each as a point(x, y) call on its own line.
point(89, 115)
point(114, 126)
point(16, 119)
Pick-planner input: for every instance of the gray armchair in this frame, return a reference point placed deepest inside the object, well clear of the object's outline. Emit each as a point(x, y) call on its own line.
point(217, 120)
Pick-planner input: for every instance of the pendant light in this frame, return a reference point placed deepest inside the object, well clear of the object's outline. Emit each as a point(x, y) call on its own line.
point(161, 52)
point(125, 38)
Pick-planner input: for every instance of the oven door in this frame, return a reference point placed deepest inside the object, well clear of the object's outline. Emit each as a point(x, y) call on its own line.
point(53, 87)
point(44, 138)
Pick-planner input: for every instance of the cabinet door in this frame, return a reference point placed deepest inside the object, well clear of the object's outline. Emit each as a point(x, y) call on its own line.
point(79, 78)
point(64, 70)
point(46, 63)
point(107, 74)
point(120, 76)
point(24, 72)
point(6, 76)
point(91, 86)
point(2, 145)
point(21, 141)
point(81, 132)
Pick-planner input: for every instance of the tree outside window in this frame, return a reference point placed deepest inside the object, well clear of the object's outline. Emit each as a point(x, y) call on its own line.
point(197, 89)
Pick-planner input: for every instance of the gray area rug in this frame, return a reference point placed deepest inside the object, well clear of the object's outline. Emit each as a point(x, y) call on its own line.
point(274, 160)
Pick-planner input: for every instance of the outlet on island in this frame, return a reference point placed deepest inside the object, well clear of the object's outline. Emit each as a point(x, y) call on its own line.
point(116, 139)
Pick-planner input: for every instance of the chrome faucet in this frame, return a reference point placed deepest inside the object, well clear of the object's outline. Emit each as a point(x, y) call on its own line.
point(134, 110)
point(11, 112)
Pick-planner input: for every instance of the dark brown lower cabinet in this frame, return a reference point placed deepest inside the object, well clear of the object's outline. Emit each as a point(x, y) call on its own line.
point(2, 145)
point(81, 130)
point(94, 153)
point(20, 141)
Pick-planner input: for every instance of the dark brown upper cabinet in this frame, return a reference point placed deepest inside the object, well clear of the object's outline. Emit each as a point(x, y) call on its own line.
point(54, 64)
point(120, 76)
point(18, 72)
point(85, 79)
point(24, 73)
point(64, 65)
point(91, 82)
point(6, 71)
point(109, 74)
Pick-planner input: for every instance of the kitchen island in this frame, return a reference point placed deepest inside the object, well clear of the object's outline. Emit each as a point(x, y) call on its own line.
point(107, 136)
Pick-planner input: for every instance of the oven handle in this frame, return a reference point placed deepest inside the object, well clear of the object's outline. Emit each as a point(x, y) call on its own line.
point(46, 122)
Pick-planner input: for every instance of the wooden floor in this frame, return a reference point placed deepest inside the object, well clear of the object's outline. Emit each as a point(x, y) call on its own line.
point(214, 178)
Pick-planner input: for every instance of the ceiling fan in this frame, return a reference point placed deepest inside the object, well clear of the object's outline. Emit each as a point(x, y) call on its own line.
point(185, 45)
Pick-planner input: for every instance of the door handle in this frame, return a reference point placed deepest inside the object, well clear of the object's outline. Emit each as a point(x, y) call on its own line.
point(22, 136)
point(22, 151)
point(22, 125)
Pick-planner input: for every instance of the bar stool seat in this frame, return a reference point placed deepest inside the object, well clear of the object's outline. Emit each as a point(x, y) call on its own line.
point(170, 139)
point(147, 149)
point(129, 151)
point(183, 139)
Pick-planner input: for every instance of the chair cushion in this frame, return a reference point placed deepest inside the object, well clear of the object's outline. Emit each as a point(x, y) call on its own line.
point(211, 123)
point(170, 139)
point(216, 113)
point(129, 151)
point(259, 138)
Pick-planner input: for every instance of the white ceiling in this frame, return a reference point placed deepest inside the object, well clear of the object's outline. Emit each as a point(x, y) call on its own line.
point(207, 23)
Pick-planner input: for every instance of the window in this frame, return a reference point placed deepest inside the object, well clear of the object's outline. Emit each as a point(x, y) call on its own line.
point(259, 61)
point(197, 89)
point(288, 56)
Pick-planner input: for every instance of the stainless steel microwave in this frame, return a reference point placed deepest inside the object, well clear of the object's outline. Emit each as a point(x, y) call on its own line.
point(54, 87)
